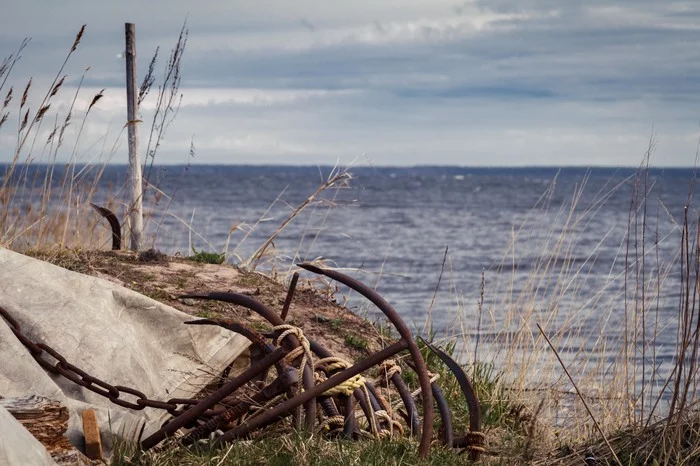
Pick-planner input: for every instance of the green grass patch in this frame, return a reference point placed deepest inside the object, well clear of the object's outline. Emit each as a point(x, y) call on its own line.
point(207, 257)
point(356, 342)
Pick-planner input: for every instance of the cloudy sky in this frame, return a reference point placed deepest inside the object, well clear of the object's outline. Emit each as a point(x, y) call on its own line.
point(485, 82)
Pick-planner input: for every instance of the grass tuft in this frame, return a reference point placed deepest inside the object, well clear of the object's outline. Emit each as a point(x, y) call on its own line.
point(207, 257)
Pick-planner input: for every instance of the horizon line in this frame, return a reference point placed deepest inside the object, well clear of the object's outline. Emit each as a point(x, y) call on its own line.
point(364, 166)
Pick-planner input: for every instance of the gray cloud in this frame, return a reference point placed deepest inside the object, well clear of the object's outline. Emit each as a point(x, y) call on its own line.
point(497, 82)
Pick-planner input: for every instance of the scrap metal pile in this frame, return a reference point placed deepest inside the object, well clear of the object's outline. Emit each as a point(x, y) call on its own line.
point(292, 375)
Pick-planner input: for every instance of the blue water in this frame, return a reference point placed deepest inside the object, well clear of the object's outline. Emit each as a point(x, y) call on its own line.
point(551, 243)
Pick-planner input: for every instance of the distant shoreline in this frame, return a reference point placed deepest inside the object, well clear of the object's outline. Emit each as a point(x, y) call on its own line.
point(401, 170)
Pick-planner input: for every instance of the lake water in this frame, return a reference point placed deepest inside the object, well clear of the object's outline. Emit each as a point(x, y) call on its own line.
point(551, 244)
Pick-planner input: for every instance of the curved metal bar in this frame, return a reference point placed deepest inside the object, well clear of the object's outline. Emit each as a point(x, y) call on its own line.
point(328, 406)
point(443, 409)
point(269, 315)
point(366, 408)
point(405, 333)
point(445, 415)
point(113, 223)
point(377, 404)
point(350, 426)
point(410, 405)
point(467, 390)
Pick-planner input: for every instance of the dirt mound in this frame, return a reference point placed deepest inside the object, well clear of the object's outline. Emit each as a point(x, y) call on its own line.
point(164, 278)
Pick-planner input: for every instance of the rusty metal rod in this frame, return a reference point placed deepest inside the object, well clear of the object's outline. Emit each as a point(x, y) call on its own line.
point(406, 335)
point(409, 404)
point(377, 405)
point(211, 400)
point(113, 223)
point(290, 341)
point(290, 295)
point(445, 415)
point(467, 391)
point(465, 385)
point(350, 425)
point(277, 387)
point(287, 406)
point(256, 338)
point(360, 398)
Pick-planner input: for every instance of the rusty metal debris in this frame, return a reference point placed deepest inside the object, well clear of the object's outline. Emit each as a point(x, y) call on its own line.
point(113, 224)
point(290, 296)
point(319, 390)
point(406, 337)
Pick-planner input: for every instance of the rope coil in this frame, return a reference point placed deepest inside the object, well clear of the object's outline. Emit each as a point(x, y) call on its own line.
point(332, 363)
point(303, 350)
point(346, 388)
point(335, 421)
point(390, 367)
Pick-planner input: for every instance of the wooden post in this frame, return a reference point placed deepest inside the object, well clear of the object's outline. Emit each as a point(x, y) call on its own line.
point(135, 189)
point(91, 432)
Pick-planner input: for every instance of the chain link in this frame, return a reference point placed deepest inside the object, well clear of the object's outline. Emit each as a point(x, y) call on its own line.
point(75, 374)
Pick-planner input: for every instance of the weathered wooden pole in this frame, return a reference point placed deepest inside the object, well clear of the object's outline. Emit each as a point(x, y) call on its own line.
point(135, 188)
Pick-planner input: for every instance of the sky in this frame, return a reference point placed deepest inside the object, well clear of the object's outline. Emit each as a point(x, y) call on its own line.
point(388, 82)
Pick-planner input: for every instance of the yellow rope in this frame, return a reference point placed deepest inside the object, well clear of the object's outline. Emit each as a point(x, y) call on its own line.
point(319, 378)
point(478, 448)
point(393, 423)
point(303, 350)
point(346, 388)
point(332, 363)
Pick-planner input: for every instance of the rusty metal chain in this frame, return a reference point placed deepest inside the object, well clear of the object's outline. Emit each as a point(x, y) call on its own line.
point(82, 378)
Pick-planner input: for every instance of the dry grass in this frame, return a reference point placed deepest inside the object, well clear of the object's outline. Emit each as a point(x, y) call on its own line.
point(648, 414)
point(625, 392)
point(45, 203)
